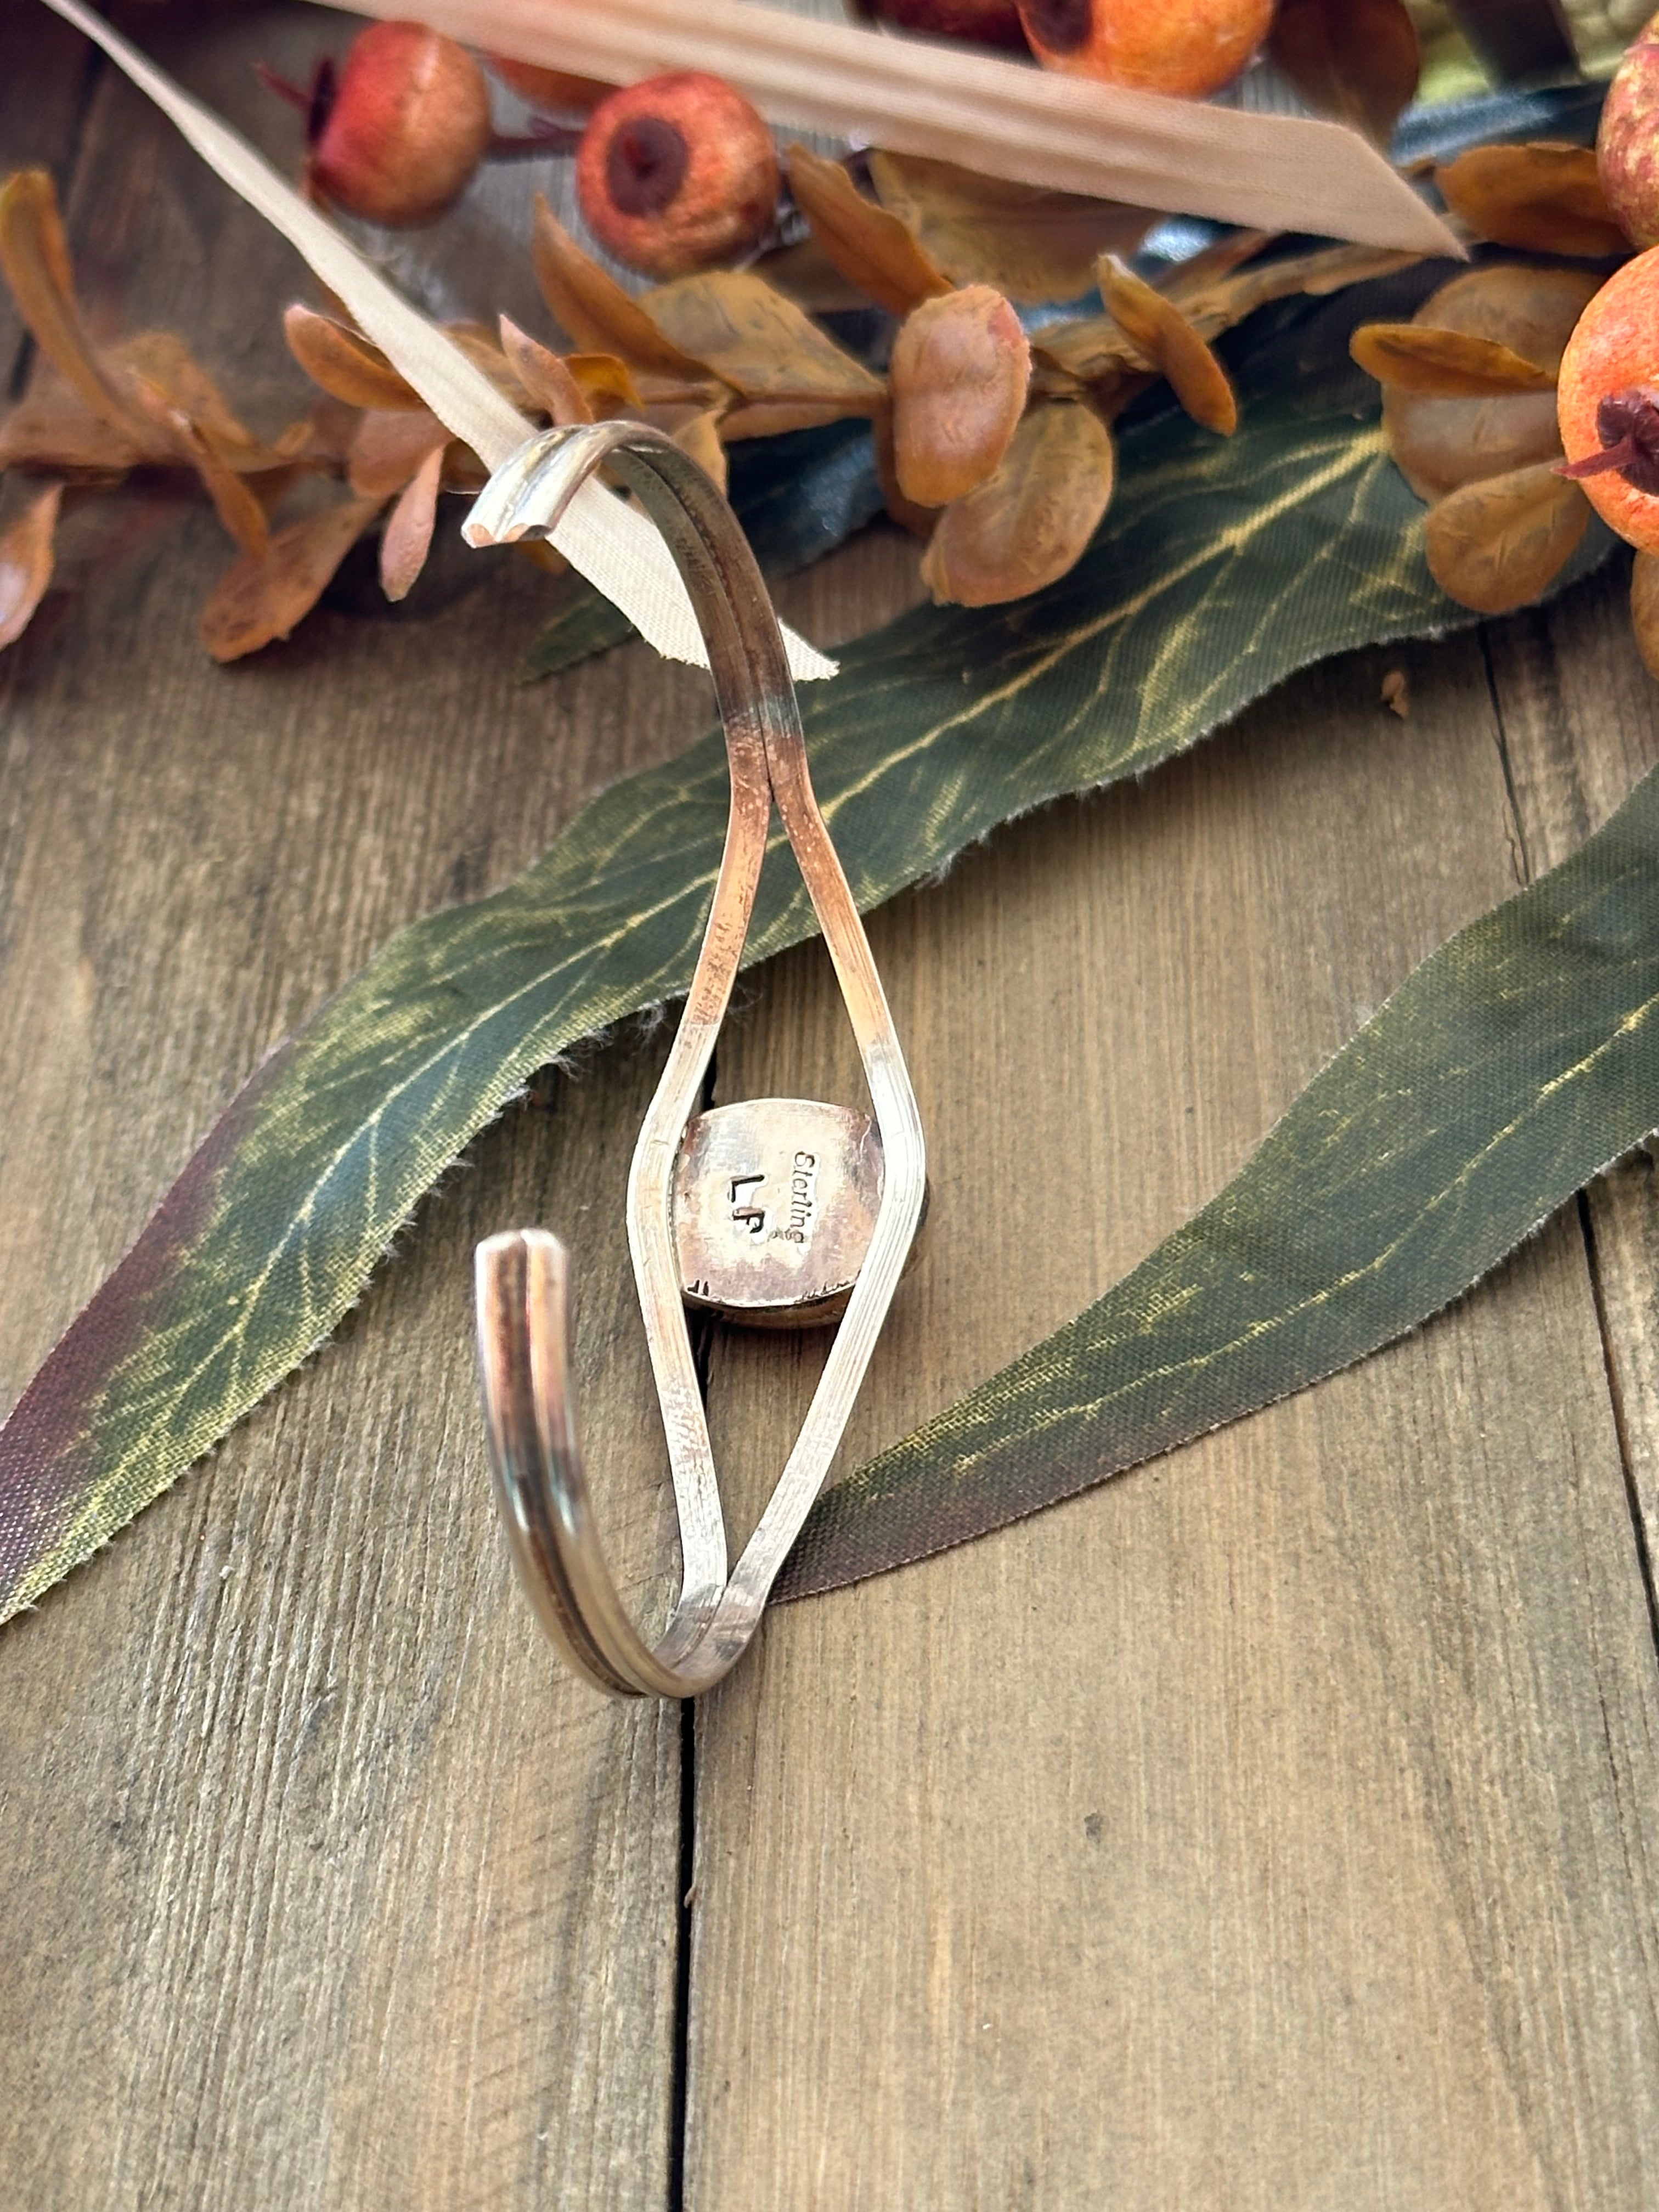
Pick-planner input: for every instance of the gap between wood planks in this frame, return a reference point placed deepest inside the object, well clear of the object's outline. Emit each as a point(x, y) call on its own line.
point(688, 1808)
point(1526, 871)
point(679, 2086)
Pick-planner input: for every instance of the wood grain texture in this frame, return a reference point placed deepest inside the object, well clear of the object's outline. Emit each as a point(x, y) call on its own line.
point(1273, 1827)
point(45, 73)
point(1580, 729)
point(1270, 1827)
point(324, 1888)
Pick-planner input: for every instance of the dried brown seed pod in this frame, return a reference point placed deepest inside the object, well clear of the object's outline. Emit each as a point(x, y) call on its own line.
point(1031, 521)
point(1496, 544)
point(1169, 342)
point(1444, 364)
point(1441, 443)
point(960, 371)
point(1543, 198)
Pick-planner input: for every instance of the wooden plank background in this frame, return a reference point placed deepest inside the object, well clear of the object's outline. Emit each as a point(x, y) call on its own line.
point(1274, 1827)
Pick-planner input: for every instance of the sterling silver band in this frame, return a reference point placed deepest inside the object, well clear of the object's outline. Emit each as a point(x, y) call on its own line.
point(523, 1278)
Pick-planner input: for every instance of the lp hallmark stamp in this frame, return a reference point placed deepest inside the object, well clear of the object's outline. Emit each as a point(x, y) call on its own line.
point(775, 1201)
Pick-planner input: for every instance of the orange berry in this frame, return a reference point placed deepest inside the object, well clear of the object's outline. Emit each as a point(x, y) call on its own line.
point(399, 141)
point(677, 174)
point(1186, 46)
point(1608, 404)
point(1627, 141)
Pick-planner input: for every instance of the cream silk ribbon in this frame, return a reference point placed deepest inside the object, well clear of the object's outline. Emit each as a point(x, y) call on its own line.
point(615, 547)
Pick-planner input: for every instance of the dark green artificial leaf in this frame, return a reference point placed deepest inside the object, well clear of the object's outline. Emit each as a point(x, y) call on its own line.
point(1514, 1065)
point(798, 497)
point(1220, 567)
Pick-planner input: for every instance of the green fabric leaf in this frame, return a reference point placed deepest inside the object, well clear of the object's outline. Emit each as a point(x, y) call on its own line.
point(798, 497)
point(1221, 566)
point(1513, 1066)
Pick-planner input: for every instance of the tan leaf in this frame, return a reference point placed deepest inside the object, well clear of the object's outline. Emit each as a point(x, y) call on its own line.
point(26, 562)
point(389, 446)
point(765, 347)
point(1032, 522)
point(872, 248)
point(325, 434)
point(34, 257)
point(345, 364)
point(593, 307)
point(1543, 197)
point(1217, 303)
point(544, 377)
point(270, 486)
point(770, 418)
point(1092, 348)
point(52, 427)
point(608, 387)
point(483, 347)
point(1446, 364)
point(1534, 311)
point(919, 521)
point(256, 601)
point(1033, 245)
point(695, 430)
point(960, 369)
point(408, 536)
point(1357, 60)
point(803, 272)
point(1439, 444)
point(165, 363)
point(540, 555)
point(1171, 344)
point(160, 385)
point(234, 500)
point(1214, 293)
point(1214, 263)
point(463, 470)
point(1644, 610)
point(1496, 544)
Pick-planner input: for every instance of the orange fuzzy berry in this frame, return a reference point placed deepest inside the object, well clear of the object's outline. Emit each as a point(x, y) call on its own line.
point(1627, 141)
point(1606, 397)
point(677, 174)
point(1186, 46)
point(405, 130)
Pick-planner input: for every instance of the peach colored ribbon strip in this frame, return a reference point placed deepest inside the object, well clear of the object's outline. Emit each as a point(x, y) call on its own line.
point(1005, 119)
